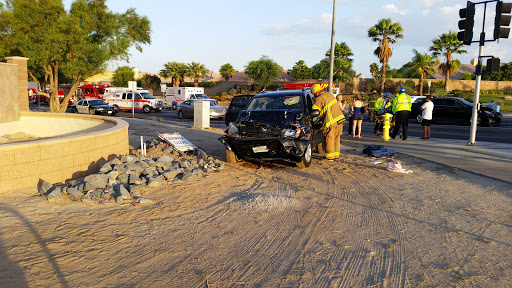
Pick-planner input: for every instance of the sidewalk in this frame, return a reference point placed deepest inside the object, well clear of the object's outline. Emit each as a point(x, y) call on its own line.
point(485, 158)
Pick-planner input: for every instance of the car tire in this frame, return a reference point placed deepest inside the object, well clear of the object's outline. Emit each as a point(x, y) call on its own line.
point(34, 100)
point(231, 157)
point(117, 107)
point(92, 112)
point(306, 158)
point(74, 110)
point(174, 107)
point(419, 119)
point(146, 109)
point(180, 114)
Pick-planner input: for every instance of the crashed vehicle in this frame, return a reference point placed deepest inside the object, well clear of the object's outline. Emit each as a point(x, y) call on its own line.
point(275, 126)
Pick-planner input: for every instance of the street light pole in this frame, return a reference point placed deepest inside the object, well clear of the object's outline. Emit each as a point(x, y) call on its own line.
point(331, 65)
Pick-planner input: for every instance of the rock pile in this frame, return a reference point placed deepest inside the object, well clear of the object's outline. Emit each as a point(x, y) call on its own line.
point(124, 180)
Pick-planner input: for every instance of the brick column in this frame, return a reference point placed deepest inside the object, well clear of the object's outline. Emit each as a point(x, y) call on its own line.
point(22, 80)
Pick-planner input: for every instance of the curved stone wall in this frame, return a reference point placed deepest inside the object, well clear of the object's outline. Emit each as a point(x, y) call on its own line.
point(79, 151)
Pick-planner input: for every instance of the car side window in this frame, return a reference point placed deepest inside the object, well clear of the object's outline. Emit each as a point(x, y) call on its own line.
point(459, 104)
point(129, 96)
point(137, 96)
point(187, 103)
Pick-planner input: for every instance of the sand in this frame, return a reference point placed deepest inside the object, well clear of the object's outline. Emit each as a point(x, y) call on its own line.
point(336, 224)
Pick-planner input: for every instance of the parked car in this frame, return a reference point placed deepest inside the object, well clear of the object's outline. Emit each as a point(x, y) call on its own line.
point(238, 103)
point(456, 110)
point(275, 126)
point(186, 109)
point(93, 106)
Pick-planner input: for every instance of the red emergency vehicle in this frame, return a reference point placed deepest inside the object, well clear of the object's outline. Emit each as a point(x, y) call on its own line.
point(93, 90)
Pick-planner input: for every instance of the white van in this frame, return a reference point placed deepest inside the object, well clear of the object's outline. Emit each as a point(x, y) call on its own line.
point(177, 95)
point(121, 98)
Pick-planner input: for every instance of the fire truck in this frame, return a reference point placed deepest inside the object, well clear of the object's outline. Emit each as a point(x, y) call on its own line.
point(307, 86)
point(95, 91)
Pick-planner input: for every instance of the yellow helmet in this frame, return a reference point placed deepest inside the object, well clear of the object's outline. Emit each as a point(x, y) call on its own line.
point(316, 88)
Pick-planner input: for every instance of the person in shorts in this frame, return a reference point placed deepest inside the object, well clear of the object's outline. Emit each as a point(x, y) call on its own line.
point(426, 116)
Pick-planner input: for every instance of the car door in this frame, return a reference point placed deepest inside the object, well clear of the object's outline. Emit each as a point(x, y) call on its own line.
point(188, 109)
point(441, 110)
point(238, 103)
point(84, 108)
point(461, 112)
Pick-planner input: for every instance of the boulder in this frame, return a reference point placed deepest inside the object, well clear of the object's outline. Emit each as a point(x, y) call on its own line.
point(124, 193)
point(201, 155)
point(143, 200)
point(55, 196)
point(115, 161)
point(155, 182)
point(44, 187)
point(165, 159)
point(189, 177)
point(170, 175)
point(105, 168)
point(128, 159)
point(123, 178)
point(95, 181)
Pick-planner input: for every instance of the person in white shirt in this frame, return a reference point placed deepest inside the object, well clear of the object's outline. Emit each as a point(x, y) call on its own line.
point(426, 115)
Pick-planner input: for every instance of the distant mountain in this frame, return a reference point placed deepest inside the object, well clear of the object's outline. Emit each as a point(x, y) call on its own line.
point(456, 76)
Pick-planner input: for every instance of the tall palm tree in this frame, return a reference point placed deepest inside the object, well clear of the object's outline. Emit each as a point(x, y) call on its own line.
point(422, 64)
point(196, 70)
point(385, 32)
point(174, 70)
point(446, 45)
point(227, 71)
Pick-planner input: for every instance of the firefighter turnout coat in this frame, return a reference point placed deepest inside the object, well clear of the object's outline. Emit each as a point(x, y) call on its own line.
point(330, 115)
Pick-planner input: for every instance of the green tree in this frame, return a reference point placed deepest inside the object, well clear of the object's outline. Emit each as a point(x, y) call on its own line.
point(122, 75)
point(263, 71)
point(196, 70)
point(422, 65)
point(342, 66)
point(321, 69)
point(150, 82)
point(174, 70)
point(374, 70)
point(446, 45)
point(76, 44)
point(227, 71)
point(385, 33)
point(300, 71)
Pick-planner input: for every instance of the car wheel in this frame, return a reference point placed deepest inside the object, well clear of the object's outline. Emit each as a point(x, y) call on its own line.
point(34, 100)
point(419, 119)
point(146, 109)
point(231, 157)
point(74, 110)
point(117, 108)
point(92, 112)
point(305, 159)
point(180, 114)
point(174, 107)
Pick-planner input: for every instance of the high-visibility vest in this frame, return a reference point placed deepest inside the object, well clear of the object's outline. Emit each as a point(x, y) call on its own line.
point(330, 111)
point(402, 102)
point(379, 105)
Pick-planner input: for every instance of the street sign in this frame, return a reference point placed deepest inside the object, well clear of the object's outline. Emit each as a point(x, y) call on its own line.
point(163, 87)
point(178, 142)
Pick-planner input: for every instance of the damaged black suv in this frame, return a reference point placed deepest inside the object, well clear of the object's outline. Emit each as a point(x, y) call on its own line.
point(275, 126)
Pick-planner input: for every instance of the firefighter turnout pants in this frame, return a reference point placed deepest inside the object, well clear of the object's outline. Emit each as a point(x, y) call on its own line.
point(332, 141)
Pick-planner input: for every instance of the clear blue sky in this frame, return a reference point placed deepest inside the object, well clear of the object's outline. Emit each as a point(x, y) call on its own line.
point(236, 31)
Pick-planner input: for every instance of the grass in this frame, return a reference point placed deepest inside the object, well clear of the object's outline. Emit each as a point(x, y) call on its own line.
point(507, 104)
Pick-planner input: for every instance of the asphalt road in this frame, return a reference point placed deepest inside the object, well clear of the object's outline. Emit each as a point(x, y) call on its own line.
point(502, 134)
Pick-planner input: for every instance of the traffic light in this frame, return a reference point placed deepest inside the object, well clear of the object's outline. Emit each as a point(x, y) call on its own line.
point(502, 21)
point(466, 24)
point(493, 65)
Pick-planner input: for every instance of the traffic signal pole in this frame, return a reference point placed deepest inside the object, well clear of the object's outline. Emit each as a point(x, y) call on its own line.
point(333, 43)
point(476, 100)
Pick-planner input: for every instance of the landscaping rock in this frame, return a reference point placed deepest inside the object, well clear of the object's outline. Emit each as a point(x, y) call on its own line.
point(201, 155)
point(136, 189)
point(55, 196)
point(124, 193)
point(134, 179)
point(165, 159)
point(44, 187)
point(189, 177)
point(143, 200)
point(128, 159)
point(123, 178)
point(105, 168)
point(170, 175)
point(120, 200)
point(75, 192)
point(88, 200)
point(95, 181)
point(156, 182)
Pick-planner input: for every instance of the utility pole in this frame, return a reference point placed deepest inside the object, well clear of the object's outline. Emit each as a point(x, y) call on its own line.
point(333, 42)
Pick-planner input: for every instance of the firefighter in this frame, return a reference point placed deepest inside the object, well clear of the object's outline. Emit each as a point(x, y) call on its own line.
point(381, 105)
point(371, 105)
point(332, 118)
point(402, 110)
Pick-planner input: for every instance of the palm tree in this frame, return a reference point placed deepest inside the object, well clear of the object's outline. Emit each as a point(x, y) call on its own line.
point(422, 64)
point(227, 71)
point(174, 70)
point(342, 68)
point(341, 51)
point(374, 70)
point(385, 32)
point(446, 45)
point(196, 70)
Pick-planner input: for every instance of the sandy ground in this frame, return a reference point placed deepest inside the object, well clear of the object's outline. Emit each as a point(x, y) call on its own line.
point(336, 224)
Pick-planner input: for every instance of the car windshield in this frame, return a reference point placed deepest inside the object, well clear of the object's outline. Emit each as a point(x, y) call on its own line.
point(96, 102)
point(147, 95)
point(212, 103)
point(276, 102)
point(201, 96)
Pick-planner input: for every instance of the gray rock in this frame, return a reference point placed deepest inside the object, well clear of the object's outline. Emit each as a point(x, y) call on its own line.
point(112, 182)
point(156, 182)
point(128, 159)
point(134, 179)
point(184, 164)
point(105, 168)
point(120, 200)
point(115, 161)
point(88, 200)
point(102, 201)
point(201, 162)
point(221, 166)
point(170, 175)
point(113, 174)
point(121, 168)
point(124, 193)
point(123, 178)
point(189, 177)
point(73, 197)
point(44, 187)
point(136, 194)
point(208, 170)
point(136, 189)
point(55, 196)
point(134, 169)
point(201, 155)
point(75, 192)
point(143, 200)
point(150, 171)
point(95, 194)
point(95, 181)
point(165, 159)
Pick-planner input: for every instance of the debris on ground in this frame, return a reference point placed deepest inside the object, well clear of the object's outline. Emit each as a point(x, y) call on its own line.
point(397, 167)
point(378, 151)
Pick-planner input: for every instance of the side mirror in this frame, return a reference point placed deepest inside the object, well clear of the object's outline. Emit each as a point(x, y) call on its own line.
point(315, 113)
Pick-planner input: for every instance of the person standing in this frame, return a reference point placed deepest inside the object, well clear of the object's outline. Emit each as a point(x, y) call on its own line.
point(381, 106)
point(426, 116)
point(342, 103)
point(332, 118)
point(402, 109)
point(357, 116)
point(371, 105)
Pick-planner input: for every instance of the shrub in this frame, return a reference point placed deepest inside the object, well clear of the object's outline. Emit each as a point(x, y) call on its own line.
point(223, 97)
point(217, 98)
point(371, 85)
point(349, 88)
point(391, 87)
point(437, 92)
point(232, 91)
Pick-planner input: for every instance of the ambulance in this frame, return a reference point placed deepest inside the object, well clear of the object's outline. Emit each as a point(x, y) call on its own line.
point(177, 95)
point(122, 98)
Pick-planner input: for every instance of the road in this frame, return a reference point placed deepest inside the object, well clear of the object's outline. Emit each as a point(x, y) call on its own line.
point(502, 134)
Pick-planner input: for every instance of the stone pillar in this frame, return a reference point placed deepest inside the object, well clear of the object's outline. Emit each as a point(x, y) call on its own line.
point(9, 108)
point(22, 80)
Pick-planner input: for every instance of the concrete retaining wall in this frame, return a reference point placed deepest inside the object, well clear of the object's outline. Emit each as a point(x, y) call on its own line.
point(465, 85)
point(61, 158)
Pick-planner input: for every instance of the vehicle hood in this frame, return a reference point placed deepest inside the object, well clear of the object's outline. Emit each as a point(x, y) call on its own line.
point(265, 123)
point(101, 106)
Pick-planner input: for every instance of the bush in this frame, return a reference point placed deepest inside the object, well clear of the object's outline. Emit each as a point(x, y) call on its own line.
point(349, 88)
point(437, 92)
point(390, 86)
point(232, 91)
point(223, 97)
point(371, 85)
point(217, 98)
point(465, 76)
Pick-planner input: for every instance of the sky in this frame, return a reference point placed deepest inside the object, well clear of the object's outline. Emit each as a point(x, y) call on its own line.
point(214, 33)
